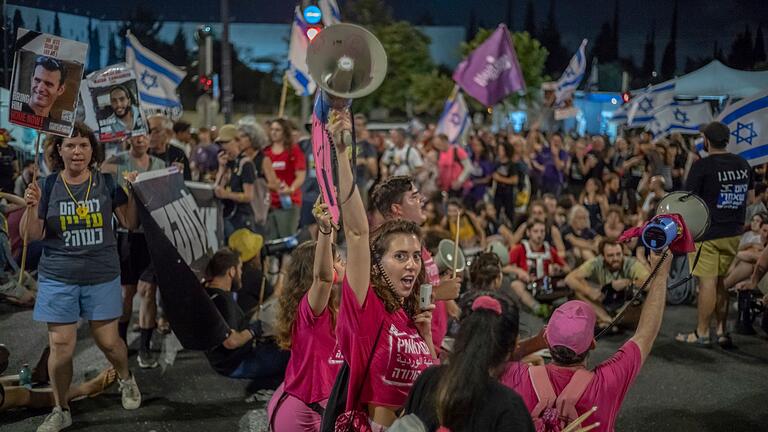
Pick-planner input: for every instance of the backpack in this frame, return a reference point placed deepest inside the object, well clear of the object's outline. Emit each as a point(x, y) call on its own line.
point(680, 291)
point(336, 418)
point(553, 412)
point(261, 198)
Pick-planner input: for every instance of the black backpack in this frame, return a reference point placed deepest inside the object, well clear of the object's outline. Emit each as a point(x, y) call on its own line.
point(337, 401)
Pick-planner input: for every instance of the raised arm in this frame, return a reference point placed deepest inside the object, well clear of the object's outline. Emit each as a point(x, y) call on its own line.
point(358, 270)
point(653, 308)
point(322, 271)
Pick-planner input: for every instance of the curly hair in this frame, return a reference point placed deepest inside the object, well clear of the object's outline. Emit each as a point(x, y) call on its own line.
point(287, 131)
point(389, 192)
point(54, 142)
point(485, 269)
point(382, 285)
point(299, 275)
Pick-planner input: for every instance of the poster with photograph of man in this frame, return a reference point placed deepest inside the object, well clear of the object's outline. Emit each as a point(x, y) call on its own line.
point(47, 71)
point(115, 101)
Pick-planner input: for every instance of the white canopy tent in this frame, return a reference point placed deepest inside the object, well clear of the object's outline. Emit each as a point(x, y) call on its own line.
point(717, 79)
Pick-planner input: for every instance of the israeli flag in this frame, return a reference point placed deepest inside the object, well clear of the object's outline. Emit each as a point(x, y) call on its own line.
point(680, 117)
point(620, 114)
point(642, 107)
point(698, 145)
point(454, 120)
point(298, 71)
point(331, 12)
point(748, 122)
point(157, 79)
point(574, 73)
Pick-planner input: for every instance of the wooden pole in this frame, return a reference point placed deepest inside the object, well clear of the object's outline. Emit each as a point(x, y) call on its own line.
point(283, 97)
point(25, 241)
point(261, 295)
point(456, 244)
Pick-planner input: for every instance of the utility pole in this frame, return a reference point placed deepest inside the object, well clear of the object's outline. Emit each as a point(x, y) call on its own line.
point(226, 64)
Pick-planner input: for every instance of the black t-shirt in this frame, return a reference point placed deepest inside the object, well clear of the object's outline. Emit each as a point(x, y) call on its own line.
point(585, 234)
point(174, 154)
point(501, 409)
point(507, 169)
point(7, 157)
point(243, 172)
point(248, 295)
point(223, 360)
point(722, 180)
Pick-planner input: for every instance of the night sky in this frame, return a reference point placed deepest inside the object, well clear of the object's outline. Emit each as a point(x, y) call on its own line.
point(701, 23)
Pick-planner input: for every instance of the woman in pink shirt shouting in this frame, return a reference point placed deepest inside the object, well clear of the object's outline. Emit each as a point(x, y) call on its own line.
point(306, 321)
point(383, 333)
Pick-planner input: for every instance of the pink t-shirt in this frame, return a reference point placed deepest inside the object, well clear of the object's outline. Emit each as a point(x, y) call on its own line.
point(440, 314)
point(315, 357)
point(449, 167)
point(400, 355)
point(606, 391)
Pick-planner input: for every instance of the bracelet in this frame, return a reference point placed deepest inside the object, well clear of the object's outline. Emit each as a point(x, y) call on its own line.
point(330, 230)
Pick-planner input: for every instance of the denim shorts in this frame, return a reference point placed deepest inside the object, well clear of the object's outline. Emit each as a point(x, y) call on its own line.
point(59, 302)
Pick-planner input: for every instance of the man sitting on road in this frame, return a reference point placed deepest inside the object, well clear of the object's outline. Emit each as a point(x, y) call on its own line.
point(605, 280)
point(534, 260)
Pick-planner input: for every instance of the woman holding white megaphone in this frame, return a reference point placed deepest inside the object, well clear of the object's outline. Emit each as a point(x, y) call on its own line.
point(384, 335)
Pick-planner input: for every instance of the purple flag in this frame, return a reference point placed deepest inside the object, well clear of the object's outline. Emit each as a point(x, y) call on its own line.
point(491, 71)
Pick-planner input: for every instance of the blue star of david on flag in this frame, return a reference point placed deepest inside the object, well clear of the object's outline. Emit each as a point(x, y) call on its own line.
point(646, 105)
point(148, 80)
point(681, 116)
point(749, 127)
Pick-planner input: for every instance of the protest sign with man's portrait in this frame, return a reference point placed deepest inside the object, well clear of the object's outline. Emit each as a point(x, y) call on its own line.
point(47, 71)
point(115, 101)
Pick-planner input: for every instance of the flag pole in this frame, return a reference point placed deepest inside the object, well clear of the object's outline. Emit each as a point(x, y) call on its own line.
point(25, 241)
point(283, 97)
point(456, 244)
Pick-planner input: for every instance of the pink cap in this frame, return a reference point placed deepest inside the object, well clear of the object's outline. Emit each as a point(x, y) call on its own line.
point(572, 325)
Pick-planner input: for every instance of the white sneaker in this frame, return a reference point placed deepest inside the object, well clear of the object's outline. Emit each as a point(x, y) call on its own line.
point(147, 360)
point(131, 396)
point(57, 420)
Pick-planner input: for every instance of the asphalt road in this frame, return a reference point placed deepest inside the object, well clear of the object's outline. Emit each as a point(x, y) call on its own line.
point(681, 388)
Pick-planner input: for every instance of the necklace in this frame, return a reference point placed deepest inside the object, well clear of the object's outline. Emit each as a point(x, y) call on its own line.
point(80, 208)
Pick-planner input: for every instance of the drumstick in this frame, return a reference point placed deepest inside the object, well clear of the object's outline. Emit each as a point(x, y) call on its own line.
point(25, 240)
point(576, 423)
point(456, 244)
point(261, 296)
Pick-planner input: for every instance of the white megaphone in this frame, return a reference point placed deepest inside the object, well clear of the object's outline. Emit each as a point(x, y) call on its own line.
point(347, 62)
point(662, 230)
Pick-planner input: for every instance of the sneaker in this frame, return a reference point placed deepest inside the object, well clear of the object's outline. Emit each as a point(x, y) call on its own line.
point(131, 396)
point(57, 420)
point(147, 360)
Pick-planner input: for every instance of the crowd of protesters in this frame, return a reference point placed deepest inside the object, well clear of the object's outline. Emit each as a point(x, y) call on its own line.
point(536, 214)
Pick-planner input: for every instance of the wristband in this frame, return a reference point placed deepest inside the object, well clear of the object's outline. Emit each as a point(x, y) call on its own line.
point(330, 230)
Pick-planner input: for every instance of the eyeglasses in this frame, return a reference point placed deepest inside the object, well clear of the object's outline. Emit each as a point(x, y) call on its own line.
point(49, 63)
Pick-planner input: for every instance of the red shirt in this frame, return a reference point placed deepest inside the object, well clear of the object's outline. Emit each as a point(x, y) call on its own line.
point(519, 257)
point(449, 166)
point(285, 165)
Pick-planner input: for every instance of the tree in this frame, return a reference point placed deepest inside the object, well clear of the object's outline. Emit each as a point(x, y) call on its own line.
point(742, 51)
point(530, 19)
point(407, 57)
point(649, 53)
point(531, 56)
point(18, 22)
point(614, 51)
point(550, 39)
point(669, 59)
point(429, 91)
point(56, 25)
point(471, 26)
point(94, 48)
point(180, 48)
point(602, 47)
point(369, 12)
point(759, 55)
point(508, 15)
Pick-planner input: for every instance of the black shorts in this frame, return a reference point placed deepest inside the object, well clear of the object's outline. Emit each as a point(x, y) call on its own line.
point(134, 256)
